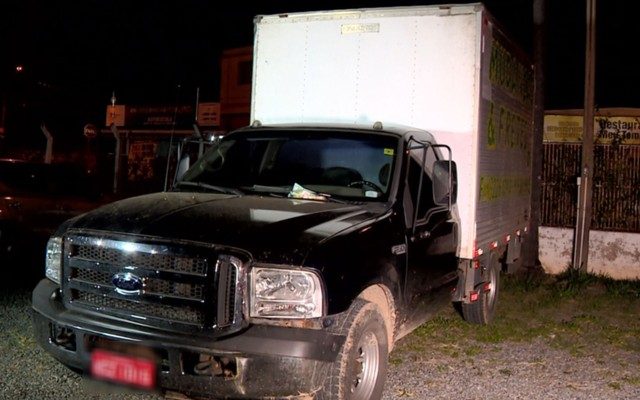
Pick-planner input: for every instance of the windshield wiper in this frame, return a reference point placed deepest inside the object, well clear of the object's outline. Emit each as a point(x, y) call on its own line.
point(330, 198)
point(276, 191)
point(207, 186)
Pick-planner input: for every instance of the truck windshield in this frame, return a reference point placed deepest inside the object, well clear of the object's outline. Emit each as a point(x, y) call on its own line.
point(342, 165)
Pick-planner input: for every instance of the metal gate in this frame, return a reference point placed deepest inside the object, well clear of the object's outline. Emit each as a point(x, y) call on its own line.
point(616, 189)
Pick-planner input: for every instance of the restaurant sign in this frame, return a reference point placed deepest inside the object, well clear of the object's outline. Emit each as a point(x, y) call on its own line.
point(607, 130)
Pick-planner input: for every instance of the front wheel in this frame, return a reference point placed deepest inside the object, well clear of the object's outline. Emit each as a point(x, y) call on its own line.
point(360, 370)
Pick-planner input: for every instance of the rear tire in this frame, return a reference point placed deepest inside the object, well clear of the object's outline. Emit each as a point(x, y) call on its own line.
point(360, 370)
point(482, 310)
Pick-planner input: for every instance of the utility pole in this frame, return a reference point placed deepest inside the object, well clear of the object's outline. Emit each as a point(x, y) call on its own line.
point(585, 181)
point(530, 246)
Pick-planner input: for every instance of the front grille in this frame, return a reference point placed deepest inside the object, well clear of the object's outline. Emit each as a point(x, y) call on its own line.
point(163, 262)
point(181, 314)
point(151, 281)
point(159, 287)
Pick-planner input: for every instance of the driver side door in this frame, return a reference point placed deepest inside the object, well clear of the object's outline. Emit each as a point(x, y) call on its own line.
point(431, 236)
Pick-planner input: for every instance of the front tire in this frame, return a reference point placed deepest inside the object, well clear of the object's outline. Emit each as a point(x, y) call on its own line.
point(360, 370)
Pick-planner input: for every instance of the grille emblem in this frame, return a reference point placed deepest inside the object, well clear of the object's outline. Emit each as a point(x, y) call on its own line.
point(127, 283)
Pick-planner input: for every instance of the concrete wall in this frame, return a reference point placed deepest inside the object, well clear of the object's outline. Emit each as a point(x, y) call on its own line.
point(615, 254)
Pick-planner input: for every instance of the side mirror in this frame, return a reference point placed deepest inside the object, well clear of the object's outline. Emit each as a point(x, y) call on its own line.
point(183, 166)
point(445, 182)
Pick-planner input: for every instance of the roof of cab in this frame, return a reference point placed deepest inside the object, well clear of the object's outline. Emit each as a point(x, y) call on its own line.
point(397, 130)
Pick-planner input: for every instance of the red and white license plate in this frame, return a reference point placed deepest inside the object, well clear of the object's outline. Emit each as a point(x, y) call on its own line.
point(127, 370)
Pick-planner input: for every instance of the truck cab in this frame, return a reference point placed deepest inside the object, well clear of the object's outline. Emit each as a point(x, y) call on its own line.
point(281, 249)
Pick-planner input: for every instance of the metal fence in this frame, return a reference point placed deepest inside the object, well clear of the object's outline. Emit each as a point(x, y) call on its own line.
point(616, 189)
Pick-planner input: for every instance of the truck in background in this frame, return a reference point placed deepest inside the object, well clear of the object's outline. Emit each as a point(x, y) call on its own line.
point(386, 172)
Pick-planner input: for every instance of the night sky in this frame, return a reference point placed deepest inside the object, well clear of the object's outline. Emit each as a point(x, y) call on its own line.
point(76, 53)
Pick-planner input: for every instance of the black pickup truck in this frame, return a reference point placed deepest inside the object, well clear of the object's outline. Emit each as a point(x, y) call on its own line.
point(283, 264)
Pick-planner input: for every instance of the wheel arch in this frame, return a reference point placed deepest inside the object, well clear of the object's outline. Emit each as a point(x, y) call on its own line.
point(381, 296)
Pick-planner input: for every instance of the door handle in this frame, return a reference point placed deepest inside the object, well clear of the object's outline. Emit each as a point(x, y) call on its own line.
point(421, 236)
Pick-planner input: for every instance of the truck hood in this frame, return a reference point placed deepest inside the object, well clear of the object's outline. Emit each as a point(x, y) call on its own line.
point(278, 230)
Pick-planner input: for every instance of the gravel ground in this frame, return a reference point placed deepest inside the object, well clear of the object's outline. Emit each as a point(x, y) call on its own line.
point(513, 371)
point(493, 371)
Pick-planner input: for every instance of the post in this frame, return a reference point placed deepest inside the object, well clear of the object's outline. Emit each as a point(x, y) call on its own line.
point(48, 154)
point(585, 188)
point(197, 103)
point(116, 166)
point(530, 246)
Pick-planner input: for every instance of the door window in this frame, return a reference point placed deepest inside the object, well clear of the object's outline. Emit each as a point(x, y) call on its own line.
point(419, 172)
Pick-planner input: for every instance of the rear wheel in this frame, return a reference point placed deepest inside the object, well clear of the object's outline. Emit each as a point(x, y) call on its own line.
point(482, 310)
point(361, 367)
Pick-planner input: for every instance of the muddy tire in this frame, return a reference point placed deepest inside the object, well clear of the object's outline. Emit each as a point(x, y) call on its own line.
point(482, 310)
point(360, 370)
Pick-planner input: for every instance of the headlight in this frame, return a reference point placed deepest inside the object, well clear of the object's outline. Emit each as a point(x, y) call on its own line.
point(285, 293)
point(53, 261)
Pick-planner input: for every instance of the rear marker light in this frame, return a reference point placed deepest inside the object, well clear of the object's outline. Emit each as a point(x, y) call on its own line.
point(494, 245)
point(476, 264)
point(486, 287)
point(507, 239)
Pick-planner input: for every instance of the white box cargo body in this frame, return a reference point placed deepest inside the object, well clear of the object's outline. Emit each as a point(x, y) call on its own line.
point(445, 69)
